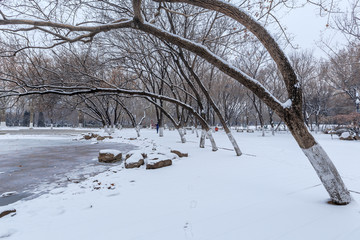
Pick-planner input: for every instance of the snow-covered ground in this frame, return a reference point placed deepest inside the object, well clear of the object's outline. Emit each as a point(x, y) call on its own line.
point(271, 192)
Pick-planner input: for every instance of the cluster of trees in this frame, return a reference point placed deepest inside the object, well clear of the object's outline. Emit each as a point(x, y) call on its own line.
point(197, 63)
point(330, 95)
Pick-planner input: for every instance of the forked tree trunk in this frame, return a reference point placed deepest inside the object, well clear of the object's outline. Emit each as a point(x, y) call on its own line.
point(212, 141)
point(208, 134)
point(320, 161)
point(182, 134)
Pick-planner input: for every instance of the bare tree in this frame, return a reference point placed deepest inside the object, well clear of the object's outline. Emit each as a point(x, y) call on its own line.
point(349, 22)
point(342, 73)
point(290, 111)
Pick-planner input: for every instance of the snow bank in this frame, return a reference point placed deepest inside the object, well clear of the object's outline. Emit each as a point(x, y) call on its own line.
point(135, 155)
point(209, 195)
point(161, 156)
point(7, 194)
point(345, 135)
point(110, 151)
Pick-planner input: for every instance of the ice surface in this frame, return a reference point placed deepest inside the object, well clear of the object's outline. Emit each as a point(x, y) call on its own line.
point(32, 164)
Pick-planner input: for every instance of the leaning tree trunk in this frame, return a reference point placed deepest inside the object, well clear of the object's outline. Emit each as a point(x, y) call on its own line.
point(320, 161)
point(212, 103)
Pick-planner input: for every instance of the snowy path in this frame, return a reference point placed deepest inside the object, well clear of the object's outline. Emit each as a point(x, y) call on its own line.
point(271, 193)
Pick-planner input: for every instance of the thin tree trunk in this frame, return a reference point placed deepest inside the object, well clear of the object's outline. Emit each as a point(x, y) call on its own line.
point(31, 118)
point(202, 138)
point(81, 119)
point(2, 118)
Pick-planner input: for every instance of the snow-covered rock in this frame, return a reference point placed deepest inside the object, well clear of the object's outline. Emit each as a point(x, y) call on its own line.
point(7, 194)
point(159, 160)
point(134, 159)
point(109, 155)
point(180, 154)
point(346, 136)
point(156, 163)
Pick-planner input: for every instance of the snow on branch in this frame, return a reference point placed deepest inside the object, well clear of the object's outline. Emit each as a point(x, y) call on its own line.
point(220, 63)
point(260, 32)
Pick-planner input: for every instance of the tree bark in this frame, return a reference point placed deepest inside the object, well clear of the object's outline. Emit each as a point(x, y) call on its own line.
point(211, 103)
point(202, 138)
point(137, 129)
point(320, 161)
point(161, 131)
point(81, 119)
point(212, 141)
point(182, 135)
point(2, 118)
point(31, 126)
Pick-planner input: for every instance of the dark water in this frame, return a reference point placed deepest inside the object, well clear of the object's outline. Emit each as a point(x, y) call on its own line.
point(25, 167)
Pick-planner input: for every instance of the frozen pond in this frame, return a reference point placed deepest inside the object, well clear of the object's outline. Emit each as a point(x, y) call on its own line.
point(32, 165)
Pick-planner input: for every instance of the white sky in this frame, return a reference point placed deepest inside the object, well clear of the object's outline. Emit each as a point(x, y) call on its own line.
point(308, 29)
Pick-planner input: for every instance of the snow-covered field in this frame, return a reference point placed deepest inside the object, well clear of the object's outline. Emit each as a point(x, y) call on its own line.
point(271, 192)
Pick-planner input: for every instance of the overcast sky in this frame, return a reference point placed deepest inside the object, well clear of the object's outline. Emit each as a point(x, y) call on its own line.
point(308, 29)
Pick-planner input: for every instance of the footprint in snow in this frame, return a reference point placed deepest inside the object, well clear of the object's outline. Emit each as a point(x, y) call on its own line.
point(188, 231)
point(7, 233)
point(193, 204)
